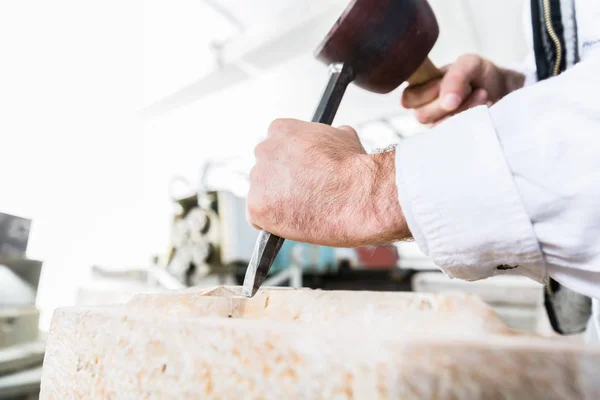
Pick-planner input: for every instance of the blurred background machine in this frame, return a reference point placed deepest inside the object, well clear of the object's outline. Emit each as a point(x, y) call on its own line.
point(21, 349)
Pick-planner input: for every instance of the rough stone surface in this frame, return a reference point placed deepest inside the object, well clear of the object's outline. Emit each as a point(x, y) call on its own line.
point(303, 344)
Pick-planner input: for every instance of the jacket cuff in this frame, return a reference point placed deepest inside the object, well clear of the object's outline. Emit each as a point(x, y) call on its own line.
point(461, 203)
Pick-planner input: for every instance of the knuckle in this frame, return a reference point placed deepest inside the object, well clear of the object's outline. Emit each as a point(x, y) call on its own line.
point(257, 150)
point(414, 100)
point(253, 175)
point(407, 98)
point(460, 71)
point(274, 127)
point(251, 209)
point(481, 101)
point(261, 149)
point(254, 208)
point(409, 92)
point(251, 217)
point(250, 220)
point(278, 126)
point(423, 117)
point(258, 213)
point(469, 59)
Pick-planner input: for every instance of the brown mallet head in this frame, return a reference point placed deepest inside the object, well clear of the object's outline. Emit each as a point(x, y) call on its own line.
point(384, 41)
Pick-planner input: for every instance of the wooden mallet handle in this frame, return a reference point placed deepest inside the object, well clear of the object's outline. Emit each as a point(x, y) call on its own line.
point(426, 72)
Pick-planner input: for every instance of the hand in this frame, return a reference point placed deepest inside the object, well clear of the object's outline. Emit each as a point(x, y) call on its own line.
point(471, 81)
point(316, 184)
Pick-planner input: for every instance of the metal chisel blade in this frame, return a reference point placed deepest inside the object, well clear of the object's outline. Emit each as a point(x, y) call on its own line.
point(265, 250)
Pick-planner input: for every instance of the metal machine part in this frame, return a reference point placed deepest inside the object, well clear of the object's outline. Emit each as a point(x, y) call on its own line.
point(14, 235)
point(210, 235)
point(19, 279)
point(14, 291)
point(19, 276)
point(195, 241)
point(21, 350)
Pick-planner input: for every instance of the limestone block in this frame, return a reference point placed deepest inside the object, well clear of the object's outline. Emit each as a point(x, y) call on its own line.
point(305, 344)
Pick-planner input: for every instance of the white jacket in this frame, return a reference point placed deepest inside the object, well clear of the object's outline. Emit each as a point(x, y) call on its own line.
point(515, 188)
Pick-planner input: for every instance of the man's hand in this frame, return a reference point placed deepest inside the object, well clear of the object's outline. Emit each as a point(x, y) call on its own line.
point(471, 81)
point(316, 184)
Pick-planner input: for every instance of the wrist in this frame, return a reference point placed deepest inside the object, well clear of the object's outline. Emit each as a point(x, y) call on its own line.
point(386, 212)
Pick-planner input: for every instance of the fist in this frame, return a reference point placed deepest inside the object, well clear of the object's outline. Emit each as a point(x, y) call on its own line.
point(471, 81)
point(316, 184)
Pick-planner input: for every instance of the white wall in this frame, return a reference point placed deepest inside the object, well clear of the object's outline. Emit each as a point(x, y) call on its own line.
point(71, 152)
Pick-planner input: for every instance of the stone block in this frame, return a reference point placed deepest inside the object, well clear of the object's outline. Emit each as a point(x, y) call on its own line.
point(305, 344)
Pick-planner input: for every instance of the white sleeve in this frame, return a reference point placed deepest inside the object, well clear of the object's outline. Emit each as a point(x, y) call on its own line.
point(514, 188)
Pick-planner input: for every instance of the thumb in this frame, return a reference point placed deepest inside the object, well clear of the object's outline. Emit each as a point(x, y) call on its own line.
point(456, 85)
